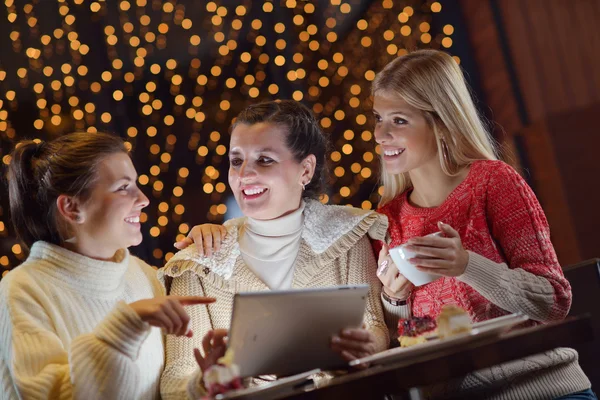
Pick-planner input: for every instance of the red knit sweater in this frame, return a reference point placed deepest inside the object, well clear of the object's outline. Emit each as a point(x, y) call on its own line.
point(498, 217)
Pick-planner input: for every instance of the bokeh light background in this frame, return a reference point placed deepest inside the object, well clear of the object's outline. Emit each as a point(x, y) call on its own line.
point(169, 76)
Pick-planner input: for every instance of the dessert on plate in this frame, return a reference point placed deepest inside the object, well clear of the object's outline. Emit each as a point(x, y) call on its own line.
point(453, 320)
point(415, 330)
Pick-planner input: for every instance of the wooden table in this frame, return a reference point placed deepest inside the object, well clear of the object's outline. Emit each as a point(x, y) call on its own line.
point(400, 377)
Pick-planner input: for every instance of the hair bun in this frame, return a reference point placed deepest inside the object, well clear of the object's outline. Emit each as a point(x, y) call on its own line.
point(39, 149)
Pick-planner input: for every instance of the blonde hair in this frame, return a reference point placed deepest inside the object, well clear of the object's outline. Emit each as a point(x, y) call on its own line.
point(431, 81)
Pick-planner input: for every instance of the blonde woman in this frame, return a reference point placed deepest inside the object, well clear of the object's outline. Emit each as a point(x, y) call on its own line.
point(440, 173)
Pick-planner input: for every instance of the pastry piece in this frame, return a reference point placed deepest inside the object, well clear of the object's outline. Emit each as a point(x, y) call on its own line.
point(415, 330)
point(407, 341)
point(222, 377)
point(453, 320)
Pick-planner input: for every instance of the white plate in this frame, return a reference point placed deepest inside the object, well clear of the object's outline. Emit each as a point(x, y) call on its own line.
point(270, 389)
point(479, 331)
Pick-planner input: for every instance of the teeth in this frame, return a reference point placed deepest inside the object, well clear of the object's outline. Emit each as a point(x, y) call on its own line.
point(251, 192)
point(133, 220)
point(393, 152)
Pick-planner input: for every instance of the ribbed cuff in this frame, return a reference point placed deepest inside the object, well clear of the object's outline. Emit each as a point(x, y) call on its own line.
point(392, 314)
point(481, 273)
point(124, 330)
point(195, 387)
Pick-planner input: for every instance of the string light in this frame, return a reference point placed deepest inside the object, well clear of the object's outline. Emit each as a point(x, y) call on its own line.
point(175, 112)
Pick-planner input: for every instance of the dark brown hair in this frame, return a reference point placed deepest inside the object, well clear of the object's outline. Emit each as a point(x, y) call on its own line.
point(304, 135)
point(39, 172)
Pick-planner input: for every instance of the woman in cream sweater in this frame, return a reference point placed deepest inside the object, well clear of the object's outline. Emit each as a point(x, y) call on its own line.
point(287, 239)
point(80, 317)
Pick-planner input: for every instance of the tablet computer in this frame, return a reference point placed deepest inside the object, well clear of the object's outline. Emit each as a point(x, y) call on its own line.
point(287, 332)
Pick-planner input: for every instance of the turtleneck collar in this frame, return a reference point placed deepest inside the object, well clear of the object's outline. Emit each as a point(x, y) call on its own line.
point(80, 272)
point(283, 226)
point(269, 248)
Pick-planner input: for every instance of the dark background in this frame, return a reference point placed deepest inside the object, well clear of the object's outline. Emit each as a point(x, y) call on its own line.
point(170, 76)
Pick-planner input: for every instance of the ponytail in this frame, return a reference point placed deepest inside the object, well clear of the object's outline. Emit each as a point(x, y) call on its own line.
point(32, 215)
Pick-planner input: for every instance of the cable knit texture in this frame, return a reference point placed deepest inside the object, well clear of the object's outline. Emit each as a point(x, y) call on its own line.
point(334, 250)
point(66, 330)
point(512, 267)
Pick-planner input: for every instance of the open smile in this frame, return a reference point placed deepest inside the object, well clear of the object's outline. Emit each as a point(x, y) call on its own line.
point(133, 220)
point(253, 192)
point(389, 154)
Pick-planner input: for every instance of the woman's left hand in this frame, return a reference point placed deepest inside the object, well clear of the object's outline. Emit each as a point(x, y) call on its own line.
point(208, 238)
point(444, 256)
point(353, 344)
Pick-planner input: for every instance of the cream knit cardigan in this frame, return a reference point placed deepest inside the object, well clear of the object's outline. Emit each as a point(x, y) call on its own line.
point(334, 250)
point(66, 330)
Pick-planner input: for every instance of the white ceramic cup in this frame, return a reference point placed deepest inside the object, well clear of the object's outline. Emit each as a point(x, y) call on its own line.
point(400, 256)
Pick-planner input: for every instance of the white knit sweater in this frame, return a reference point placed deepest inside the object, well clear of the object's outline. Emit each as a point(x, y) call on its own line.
point(66, 330)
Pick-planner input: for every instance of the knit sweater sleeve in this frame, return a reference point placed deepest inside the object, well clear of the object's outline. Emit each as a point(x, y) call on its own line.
point(181, 377)
point(391, 313)
point(365, 271)
point(531, 281)
point(97, 365)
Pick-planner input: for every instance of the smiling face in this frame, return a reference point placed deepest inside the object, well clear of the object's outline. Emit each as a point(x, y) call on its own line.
point(111, 213)
point(264, 176)
point(407, 141)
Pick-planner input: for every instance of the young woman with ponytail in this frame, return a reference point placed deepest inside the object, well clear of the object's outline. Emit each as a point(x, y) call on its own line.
point(80, 317)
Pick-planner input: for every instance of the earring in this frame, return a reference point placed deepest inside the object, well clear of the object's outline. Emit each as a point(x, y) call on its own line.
point(304, 185)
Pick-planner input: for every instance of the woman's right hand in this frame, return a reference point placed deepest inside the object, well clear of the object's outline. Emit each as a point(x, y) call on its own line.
point(394, 283)
point(167, 313)
point(214, 344)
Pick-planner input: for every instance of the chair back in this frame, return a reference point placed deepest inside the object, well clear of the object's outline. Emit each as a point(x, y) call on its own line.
point(585, 285)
